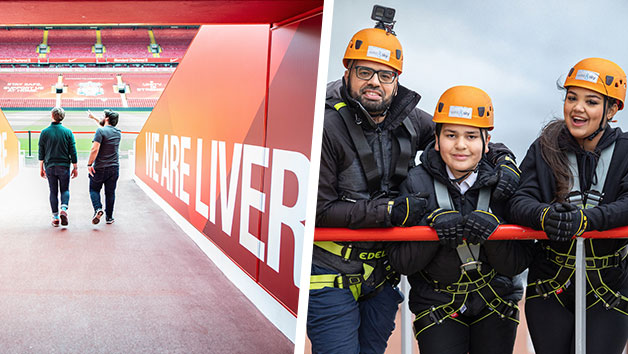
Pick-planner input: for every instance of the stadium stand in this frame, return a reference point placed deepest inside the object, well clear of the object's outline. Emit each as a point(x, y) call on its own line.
point(145, 85)
point(20, 43)
point(91, 102)
point(88, 85)
point(174, 42)
point(71, 43)
point(125, 42)
point(126, 75)
point(19, 86)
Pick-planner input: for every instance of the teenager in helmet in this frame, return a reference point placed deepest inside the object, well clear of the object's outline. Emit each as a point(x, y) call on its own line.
point(371, 134)
point(464, 288)
point(575, 179)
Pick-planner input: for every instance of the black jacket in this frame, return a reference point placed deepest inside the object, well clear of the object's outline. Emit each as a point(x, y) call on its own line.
point(537, 191)
point(421, 259)
point(343, 196)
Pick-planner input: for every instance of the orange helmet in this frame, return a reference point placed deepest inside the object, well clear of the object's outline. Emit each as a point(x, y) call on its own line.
point(465, 105)
point(599, 75)
point(376, 45)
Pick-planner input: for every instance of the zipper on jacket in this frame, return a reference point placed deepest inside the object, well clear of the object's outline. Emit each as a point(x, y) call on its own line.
point(378, 130)
point(345, 199)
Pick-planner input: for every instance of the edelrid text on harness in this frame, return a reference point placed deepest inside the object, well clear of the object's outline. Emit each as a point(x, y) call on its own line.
point(376, 269)
point(594, 264)
point(472, 279)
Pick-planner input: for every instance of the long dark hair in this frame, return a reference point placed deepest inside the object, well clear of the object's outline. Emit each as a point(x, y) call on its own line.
point(554, 145)
point(554, 152)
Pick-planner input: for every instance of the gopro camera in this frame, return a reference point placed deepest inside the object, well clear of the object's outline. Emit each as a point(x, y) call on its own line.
point(383, 14)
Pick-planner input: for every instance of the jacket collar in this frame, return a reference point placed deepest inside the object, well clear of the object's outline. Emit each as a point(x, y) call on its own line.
point(435, 166)
point(402, 104)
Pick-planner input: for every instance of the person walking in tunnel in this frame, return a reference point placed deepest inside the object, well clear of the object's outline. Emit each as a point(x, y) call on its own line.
point(575, 179)
point(464, 288)
point(57, 152)
point(104, 165)
point(371, 134)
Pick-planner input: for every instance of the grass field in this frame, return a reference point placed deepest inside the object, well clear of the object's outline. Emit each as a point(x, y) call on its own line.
point(35, 121)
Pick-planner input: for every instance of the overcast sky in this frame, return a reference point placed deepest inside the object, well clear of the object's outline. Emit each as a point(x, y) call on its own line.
point(513, 50)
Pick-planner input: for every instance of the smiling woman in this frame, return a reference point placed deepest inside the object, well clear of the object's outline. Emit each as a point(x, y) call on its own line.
point(572, 182)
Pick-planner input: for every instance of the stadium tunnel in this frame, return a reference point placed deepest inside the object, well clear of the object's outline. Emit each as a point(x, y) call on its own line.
point(226, 150)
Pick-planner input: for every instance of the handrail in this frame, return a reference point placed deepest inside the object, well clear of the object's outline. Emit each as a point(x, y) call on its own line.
point(503, 232)
point(426, 233)
point(39, 131)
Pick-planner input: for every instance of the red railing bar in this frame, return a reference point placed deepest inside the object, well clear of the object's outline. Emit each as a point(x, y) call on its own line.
point(426, 233)
point(39, 131)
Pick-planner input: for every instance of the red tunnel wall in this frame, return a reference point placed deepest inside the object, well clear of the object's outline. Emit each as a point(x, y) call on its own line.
point(9, 153)
point(239, 109)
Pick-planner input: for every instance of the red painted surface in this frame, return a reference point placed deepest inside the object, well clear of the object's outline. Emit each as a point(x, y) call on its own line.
point(9, 154)
point(426, 233)
point(294, 57)
point(153, 12)
point(242, 103)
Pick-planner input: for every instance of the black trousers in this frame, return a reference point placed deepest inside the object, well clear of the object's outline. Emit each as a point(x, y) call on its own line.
point(552, 328)
point(492, 335)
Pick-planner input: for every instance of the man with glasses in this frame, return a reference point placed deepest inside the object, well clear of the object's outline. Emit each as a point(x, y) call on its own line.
point(371, 134)
point(103, 164)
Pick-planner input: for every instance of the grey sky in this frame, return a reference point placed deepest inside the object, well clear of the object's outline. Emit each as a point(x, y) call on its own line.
point(514, 50)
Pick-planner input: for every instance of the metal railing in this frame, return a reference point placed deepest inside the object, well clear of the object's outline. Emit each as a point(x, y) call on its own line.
point(503, 232)
point(31, 132)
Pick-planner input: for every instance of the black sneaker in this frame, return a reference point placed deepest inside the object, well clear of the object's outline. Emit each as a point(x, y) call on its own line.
point(110, 220)
point(63, 215)
point(97, 215)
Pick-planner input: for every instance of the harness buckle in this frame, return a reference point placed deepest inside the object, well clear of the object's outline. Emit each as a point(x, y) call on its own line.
point(432, 315)
point(593, 198)
point(575, 197)
point(346, 250)
point(614, 301)
point(471, 266)
point(539, 286)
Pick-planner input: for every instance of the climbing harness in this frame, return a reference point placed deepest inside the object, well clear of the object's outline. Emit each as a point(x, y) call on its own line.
point(472, 279)
point(598, 291)
point(376, 269)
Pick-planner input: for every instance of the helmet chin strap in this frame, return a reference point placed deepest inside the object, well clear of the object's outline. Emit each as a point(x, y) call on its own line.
point(601, 127)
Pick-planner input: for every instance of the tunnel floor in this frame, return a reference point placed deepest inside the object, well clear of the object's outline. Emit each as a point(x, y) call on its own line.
point(139, 285)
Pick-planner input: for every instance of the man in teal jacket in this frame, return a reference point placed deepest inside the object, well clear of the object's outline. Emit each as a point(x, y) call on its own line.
point(57, 151)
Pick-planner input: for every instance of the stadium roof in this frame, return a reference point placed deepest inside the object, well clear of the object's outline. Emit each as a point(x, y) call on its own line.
point(37, 12)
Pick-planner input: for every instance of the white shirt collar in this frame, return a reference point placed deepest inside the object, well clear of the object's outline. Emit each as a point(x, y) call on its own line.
point(466, 183)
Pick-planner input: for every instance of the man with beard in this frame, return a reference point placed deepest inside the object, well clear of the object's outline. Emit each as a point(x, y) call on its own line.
point(103, 164)
point(371, 134)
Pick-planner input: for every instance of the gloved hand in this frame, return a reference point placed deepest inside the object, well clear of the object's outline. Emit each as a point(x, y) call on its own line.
point(408, 210)
point(448, 225)
point(479, 225)
point(508, 182)
point(563, 221)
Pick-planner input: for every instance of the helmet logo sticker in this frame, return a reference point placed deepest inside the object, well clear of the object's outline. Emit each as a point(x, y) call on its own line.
point(461, 112)
point(587, 75)
point(378, 53)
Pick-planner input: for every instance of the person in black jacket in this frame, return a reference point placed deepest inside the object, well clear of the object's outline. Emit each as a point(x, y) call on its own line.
point(575, 179)
point(371, 134)
point(464, 289)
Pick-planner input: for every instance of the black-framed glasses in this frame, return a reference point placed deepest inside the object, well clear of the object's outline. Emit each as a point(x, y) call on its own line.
point(366, 73)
